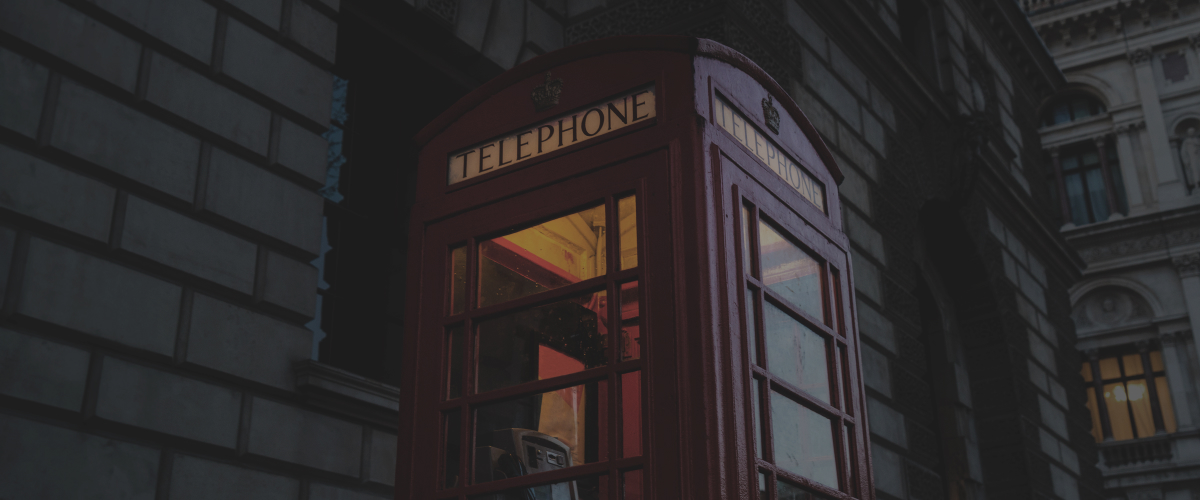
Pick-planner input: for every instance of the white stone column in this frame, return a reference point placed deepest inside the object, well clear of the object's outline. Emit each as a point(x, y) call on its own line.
point(1169, 185)
point(1188, 267)
point(1177, 379)
point(1129, 173)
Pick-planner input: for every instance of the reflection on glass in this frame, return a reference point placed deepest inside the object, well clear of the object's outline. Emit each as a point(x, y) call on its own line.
point(803, 441)
point(1133, 364)
point(789, 271)
point(789, 491)
point(458, 280)
point(1117, 403)
point(454, 378)
point(1164, 402)
point(631, 327)
point(542, 432)
point(747, 257)
point(847, 457)
point(452, 439)
point(586, 488)
point(631, 485)
point(1156, 362)
point(1078, 204)
point(1139, 403)
point(1086, 372)
point(1097, 431)
point(796, 353)
point(551, 255)
point(1097, 195)
point(627, 215)
point(631, 414)
point(752, 326)
point(756, 426)
point(547, 341)
point(763, 494)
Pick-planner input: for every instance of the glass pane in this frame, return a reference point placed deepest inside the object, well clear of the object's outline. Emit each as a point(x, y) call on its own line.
point(1139, 402)
point(752, 326)
point(458, 280)
point(803, 441)
point(756, 426)
point(1079, 213)
point(1109, 369)
point(1133, 364)
point(455, 377)
point(1118, 183)
point(789, 491)
point(543, 342)
point(763, 494)
point(631, 328)
point(631, 485)
point(1097, 430)
point(1156, 362)
point(452, 440)
point(1117, 404)
point(1097, 194)
point(1080, 108)
point(789, 271)
point(848, 457)
point(1164, 402)
point(1090, 158)
point(747, 256)
point(551, 255)
point(627, 215)
point(542, 432)
point(796, 353)
point(631, 414)
point(1062, 114)
point(586, 488)
point(1070, 162)
point(1086, 372)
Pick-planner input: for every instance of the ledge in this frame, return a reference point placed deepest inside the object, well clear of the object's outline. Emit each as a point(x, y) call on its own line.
point(334, 385)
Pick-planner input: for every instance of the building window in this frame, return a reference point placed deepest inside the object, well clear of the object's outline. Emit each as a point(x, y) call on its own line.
point(1137, 400)
point(916, 33)
point(1086, 184)
point(1174, 67)
point(1075, 107)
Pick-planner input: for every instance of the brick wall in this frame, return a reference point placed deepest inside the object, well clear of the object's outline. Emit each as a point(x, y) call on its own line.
point(159, 163)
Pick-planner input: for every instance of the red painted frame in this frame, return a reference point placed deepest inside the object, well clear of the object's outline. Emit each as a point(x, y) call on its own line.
point(695, 376)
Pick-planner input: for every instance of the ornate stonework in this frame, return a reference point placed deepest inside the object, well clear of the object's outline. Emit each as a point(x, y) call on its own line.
point(1109, 307)
point(1187, 265)
point(1141, 56)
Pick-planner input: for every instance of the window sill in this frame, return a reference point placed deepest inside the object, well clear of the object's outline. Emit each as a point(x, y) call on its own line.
point(345, 392)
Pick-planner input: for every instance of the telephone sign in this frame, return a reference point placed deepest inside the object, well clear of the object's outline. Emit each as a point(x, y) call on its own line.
point(626, 284)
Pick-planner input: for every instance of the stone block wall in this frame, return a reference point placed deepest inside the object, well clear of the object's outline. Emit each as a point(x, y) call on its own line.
point(159, 163)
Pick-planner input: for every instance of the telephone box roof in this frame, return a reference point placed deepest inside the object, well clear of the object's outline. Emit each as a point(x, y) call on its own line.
point(695, 46)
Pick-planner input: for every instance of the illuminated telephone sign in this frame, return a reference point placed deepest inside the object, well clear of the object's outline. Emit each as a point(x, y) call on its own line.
point(551, 135)
point(624, 277)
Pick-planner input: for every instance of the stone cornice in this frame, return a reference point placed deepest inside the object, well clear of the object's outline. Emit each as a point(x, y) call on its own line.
point(1153, 233)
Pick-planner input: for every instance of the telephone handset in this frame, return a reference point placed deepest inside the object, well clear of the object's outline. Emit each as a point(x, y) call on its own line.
point(519, 452)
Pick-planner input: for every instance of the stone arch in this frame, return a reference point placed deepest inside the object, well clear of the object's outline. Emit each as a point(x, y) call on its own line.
point(1141, 290)
point(1111, 304)
point(1086, 84)
point(1180, 125)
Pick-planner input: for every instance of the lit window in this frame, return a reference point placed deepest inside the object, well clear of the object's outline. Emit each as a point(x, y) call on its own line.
point(1137, 400)
point(1075, 107)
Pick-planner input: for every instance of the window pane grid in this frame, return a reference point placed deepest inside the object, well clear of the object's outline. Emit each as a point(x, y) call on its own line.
point(1131, 390)
point(766, 386)
point(466, 318)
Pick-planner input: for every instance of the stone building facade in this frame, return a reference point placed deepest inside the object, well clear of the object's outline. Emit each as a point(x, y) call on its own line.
point(184, 182)
point(1132, 110)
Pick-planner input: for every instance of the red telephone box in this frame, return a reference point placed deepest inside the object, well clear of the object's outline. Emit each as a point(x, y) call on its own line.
point(628, 280)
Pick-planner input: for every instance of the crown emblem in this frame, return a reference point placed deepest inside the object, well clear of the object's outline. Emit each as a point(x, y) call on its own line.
point(771, 115)
point(546, 95)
